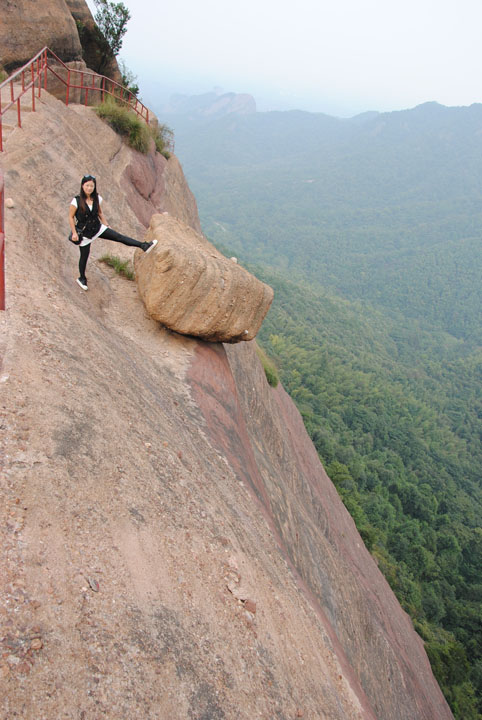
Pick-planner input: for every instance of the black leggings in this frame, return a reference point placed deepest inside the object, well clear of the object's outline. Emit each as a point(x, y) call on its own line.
point(108, 234)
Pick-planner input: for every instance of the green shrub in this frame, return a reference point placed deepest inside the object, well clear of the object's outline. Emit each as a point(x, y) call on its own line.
point(137, 133)
point(164, 138)
point(126, 123)
point(129, 80)
point(122, 267)
point(3, 74)
point(269, 367)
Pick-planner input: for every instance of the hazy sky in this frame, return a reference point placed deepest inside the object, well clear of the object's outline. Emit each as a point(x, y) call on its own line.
point(341, 57)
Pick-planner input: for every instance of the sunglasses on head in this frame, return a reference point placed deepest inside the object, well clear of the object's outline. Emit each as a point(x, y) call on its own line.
point(89, 177)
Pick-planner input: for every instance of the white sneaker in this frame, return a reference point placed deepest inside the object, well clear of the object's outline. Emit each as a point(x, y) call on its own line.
point(151, 246)
point(83, 283)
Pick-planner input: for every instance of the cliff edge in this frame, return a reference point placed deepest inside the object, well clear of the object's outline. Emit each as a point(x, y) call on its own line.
point(172, 547)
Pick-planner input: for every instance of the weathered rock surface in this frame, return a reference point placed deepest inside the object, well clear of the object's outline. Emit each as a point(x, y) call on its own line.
point(320, 541)
point(26, 26)
point(155, 185)
point(80, 11)
point(190, 287)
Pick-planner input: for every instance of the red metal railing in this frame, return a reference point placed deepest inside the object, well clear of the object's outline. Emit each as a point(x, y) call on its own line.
point(2, 245)
point(90, 85)
point(30, 78)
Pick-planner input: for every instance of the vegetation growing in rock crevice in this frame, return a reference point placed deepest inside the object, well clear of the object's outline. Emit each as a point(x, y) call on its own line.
point(126, 123)
point(129, 80)
point(137, 133)
point(122, 267)
point(163, 139)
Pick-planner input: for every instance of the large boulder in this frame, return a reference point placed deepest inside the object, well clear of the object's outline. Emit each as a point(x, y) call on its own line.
point(26, 26)
point(190, 287)
point(65, 26)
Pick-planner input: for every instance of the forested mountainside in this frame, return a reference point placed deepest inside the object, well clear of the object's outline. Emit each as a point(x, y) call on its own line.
point(388, 207)
point(369, 231)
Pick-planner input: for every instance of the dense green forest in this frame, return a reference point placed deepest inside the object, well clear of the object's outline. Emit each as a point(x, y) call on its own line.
point(369, 231)
point(399, 438)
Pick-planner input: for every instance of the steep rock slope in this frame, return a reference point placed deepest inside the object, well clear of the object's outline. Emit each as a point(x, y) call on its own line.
point(154, 184)
point(172, 547)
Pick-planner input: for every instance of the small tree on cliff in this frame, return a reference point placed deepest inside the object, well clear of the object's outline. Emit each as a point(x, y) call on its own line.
point(111, 19)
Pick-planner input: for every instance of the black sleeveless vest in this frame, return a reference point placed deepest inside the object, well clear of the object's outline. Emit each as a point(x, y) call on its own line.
point(88, 222)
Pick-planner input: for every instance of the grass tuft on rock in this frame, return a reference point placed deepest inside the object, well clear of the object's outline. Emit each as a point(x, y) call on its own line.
point(163, 138)
point(136, 132)
point(122, 267)
point(126, 123)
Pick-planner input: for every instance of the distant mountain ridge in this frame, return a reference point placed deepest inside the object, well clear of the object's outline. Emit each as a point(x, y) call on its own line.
point(211, 104)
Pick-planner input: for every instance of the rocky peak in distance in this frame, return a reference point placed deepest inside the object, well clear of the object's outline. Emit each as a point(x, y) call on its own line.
point(211, 104)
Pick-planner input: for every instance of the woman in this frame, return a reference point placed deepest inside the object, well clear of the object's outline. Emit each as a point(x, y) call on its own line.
point(86, 217)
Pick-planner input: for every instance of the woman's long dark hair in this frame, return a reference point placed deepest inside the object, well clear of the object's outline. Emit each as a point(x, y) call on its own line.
point(83, 196)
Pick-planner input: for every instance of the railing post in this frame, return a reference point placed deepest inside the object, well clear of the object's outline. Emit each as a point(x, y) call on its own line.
point(2, 244)
point(33, 87)
point(39, 64)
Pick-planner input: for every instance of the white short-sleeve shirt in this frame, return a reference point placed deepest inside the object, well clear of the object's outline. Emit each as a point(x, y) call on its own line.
point(86, 240)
